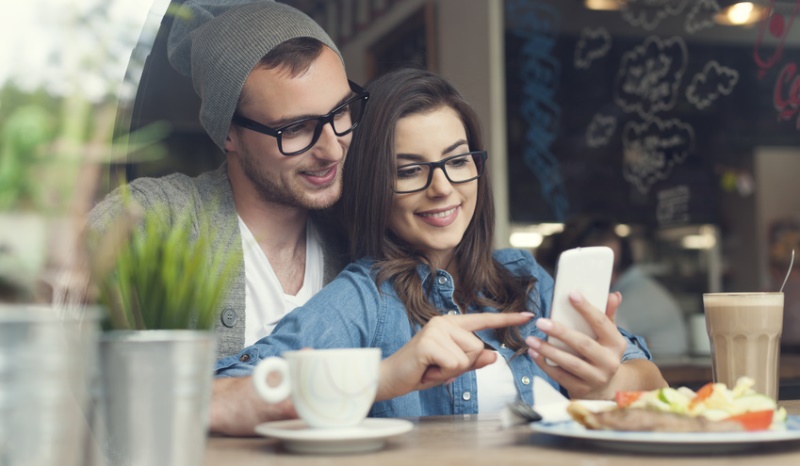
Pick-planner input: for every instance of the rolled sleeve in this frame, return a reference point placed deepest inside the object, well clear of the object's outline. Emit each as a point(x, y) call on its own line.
point(238, 365)
point(637, 348)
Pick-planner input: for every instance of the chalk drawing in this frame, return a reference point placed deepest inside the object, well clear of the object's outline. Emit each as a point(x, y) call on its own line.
point(649, 76)
point(648, 14)
point(708, 85)
point(593, 44)
point(771, 37)
point(538, 25)
point(701, 15)
point(600, 130)
point(651, 148)
point(673, 205)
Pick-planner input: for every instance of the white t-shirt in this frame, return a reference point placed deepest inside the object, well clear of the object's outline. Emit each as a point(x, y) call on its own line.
point(265, 301)
point(496, 386)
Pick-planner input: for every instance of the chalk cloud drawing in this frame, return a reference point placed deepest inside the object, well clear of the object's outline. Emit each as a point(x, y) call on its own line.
point(701, 15)
point(652, 148)
point(708, 85)
point(648, 14)
point(649, 76)
point(593, 44)
point(600, 130)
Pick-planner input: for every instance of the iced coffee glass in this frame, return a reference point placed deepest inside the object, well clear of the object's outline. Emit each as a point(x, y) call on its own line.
point(745, 333)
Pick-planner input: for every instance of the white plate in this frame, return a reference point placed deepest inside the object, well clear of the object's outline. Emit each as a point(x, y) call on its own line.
point(370, 435)
point(666, 442)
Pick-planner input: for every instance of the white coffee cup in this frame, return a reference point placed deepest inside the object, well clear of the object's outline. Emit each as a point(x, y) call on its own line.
point(329, 387)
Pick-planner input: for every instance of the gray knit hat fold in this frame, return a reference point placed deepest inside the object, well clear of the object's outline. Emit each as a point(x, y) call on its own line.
point(217, 43)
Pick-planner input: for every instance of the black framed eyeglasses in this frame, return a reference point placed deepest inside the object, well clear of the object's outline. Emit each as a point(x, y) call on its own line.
point(459, 168)
point(299, 136)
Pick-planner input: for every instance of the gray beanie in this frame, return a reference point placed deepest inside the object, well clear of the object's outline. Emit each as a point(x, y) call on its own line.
point(217, 43)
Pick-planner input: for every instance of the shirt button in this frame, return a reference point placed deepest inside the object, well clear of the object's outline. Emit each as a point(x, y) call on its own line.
point(466, 396)
point(452, 312)
point(526, 380)
point(244, 358)
point(442, 280)
point(503, 345)
point(229, 317)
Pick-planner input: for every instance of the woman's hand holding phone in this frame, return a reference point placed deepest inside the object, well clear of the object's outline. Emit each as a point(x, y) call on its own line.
point(589, 367)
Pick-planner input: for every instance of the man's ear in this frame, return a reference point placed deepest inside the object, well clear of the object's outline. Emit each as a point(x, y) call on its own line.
point(231, 140)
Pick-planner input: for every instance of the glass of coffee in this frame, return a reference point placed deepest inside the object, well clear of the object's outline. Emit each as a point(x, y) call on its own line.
point(745, 333)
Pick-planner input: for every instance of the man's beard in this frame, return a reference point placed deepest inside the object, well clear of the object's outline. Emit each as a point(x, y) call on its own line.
point(291, 195)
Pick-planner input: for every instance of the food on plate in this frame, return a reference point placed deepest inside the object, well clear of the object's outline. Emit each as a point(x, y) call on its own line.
point(713, 408)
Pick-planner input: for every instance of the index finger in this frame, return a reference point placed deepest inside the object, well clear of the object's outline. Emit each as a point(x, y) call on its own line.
point(484, 320)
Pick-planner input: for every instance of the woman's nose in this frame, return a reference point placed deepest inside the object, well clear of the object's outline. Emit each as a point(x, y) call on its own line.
point(440, 185)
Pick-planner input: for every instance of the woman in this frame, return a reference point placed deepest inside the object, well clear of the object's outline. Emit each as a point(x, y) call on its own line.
point(418, 210)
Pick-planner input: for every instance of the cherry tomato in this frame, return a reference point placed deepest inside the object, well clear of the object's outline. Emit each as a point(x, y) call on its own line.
point(625, 399)
point(702, 394)
point(754, 420)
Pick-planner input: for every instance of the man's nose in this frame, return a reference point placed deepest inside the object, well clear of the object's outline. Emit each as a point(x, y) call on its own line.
point(329, 146)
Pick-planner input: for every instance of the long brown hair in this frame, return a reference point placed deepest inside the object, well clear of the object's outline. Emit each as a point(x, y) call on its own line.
point(366, 204)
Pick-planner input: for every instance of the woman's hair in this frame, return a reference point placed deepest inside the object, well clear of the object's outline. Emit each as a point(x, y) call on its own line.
point(368, 192)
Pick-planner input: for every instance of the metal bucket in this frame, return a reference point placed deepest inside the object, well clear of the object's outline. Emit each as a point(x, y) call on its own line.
point(46, 365)
point(154, 396)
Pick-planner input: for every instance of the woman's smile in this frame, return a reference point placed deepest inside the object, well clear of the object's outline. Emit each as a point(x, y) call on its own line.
point(440, 217)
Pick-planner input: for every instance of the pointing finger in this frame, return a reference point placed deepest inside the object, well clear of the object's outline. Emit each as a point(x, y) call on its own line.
point(484, 320)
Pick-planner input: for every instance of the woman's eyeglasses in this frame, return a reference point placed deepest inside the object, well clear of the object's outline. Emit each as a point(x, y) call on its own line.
point(457, 168)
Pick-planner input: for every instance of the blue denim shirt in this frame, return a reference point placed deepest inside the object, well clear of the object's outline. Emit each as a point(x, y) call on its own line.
point(352, 311)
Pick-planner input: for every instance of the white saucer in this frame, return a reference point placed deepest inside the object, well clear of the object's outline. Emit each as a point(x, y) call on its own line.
point(368, 436)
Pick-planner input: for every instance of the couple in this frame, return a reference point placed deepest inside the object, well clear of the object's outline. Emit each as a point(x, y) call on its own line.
point(417, 211)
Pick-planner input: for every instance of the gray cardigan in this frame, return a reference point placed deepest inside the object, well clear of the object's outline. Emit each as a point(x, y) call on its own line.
point(208, 198)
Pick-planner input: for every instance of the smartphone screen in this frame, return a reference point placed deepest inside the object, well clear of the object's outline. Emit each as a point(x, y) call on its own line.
point(588, 271)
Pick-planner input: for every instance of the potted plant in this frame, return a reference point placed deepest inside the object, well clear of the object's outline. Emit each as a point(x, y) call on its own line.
point(161, 286)
point(42, 149)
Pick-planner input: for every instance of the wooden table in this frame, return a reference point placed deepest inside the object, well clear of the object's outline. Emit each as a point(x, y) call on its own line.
point(480, 440)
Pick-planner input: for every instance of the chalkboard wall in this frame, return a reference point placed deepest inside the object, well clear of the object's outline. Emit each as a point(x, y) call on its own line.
point(650, 114)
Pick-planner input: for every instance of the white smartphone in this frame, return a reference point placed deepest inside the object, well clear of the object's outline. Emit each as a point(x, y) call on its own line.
point(588, 271)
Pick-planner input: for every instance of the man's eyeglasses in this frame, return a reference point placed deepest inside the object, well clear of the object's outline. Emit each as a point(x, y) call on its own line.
point(299, 136)
point(457, 168)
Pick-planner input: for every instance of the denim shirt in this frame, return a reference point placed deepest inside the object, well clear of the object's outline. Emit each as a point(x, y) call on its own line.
point(352, 311)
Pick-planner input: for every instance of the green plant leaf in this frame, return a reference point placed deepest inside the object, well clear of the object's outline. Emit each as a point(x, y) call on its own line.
point(165, 276)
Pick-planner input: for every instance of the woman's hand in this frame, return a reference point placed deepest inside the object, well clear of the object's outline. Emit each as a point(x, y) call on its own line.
point(443, 349)
point(596, 370)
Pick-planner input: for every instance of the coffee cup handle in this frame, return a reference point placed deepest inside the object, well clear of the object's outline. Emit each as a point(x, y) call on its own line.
point(263, 369)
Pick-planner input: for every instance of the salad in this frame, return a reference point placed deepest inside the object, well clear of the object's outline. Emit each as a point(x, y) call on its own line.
point(714, 401)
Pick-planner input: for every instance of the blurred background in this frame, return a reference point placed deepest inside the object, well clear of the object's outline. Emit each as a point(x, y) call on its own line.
point(677, 120)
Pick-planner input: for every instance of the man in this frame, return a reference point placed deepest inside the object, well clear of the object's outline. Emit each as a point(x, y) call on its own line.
point(276, 99)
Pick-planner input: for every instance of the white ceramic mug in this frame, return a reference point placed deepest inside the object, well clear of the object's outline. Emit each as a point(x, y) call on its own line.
point(329, 387)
